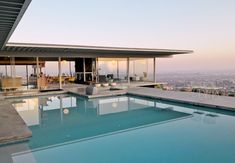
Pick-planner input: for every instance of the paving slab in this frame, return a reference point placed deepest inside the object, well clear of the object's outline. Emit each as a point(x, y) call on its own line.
point(35, 94)
point(12, 126)
point(198, 99)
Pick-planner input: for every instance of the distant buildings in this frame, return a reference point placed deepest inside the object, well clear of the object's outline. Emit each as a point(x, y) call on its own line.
point(215, 84)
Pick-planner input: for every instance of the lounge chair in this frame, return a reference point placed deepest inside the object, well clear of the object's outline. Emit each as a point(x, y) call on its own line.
point(110, 76)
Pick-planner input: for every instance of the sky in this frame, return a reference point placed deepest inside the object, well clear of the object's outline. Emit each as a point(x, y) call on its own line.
point(205, 26)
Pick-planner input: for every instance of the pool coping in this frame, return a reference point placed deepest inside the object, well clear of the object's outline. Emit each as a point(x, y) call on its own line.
point(158, 96)
point(35, 95)
point(195, 101)
point(103, 94)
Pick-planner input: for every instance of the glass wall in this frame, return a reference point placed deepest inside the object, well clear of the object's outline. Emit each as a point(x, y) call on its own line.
point(85, 70)
point(141, 69)
point(68, 72)
point(15, 74)
point(112, 69)
point(20, 74)
point(50, 73)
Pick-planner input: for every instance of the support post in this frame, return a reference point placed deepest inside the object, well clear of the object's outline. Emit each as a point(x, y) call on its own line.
point(134, 67)
point(117, 69)
point(92, 69)
point(70, 69)
point(97, 70)
point(84, 70)
point(12, 62)
point(128, 71)
point(27, 76)
point(59, 67)
point(154, 70)
point(11, 70)
point(37, 71)
point(6, 70)
point(147, 66)
point(14, 66)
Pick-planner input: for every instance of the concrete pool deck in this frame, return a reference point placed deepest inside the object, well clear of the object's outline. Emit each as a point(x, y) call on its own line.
point(12, 126)
point(198, 99)
point(102, 92)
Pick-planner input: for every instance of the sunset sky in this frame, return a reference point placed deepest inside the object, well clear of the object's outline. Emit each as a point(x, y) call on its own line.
point(205, 26)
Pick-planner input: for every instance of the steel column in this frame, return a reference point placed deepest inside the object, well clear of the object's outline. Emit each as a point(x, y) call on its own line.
point(154, 70)
point(59, 67)
point(128, 70)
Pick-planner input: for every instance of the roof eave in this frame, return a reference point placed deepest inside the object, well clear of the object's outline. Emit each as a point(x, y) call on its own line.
point(20, 15)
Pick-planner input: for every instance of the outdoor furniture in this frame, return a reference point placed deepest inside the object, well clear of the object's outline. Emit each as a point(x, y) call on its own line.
point(110, 76)
point(8, 83)
point(113, 84)
point(105, 84)
point(42, 82)
point(90, 90)
point(33, 80)
point(102, 79)
point(136, 78)
point(72, 79)
point(97, 85)
point(49, 79)
point(144, 77)
point(57, 79)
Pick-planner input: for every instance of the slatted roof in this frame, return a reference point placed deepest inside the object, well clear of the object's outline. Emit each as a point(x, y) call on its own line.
point(11, 11)
point(53, 50)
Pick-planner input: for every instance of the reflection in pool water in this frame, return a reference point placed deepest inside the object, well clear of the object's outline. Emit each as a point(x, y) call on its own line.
point(67, 118)
point(122, 129)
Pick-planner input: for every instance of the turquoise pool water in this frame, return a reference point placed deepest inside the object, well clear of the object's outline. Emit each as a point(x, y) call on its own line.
point(69, 128)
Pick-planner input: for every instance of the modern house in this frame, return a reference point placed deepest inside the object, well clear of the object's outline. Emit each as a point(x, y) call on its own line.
point(86, 59)
point(136, 124)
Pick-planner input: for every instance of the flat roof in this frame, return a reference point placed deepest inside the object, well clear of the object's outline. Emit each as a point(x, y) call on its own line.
point(56, 50)
point(11, 12)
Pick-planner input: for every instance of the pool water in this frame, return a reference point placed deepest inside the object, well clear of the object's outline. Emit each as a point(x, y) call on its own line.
point(68, 128)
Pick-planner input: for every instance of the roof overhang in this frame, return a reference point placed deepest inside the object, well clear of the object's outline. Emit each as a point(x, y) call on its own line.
point(71, 51)
point(11, 12)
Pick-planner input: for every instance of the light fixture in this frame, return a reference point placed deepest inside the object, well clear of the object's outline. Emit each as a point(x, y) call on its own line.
point(143, 61)
point(113, 62)
point(66, 111)
point(64, 62)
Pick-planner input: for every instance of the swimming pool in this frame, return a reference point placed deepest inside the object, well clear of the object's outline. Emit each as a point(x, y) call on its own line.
point(68, 128)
